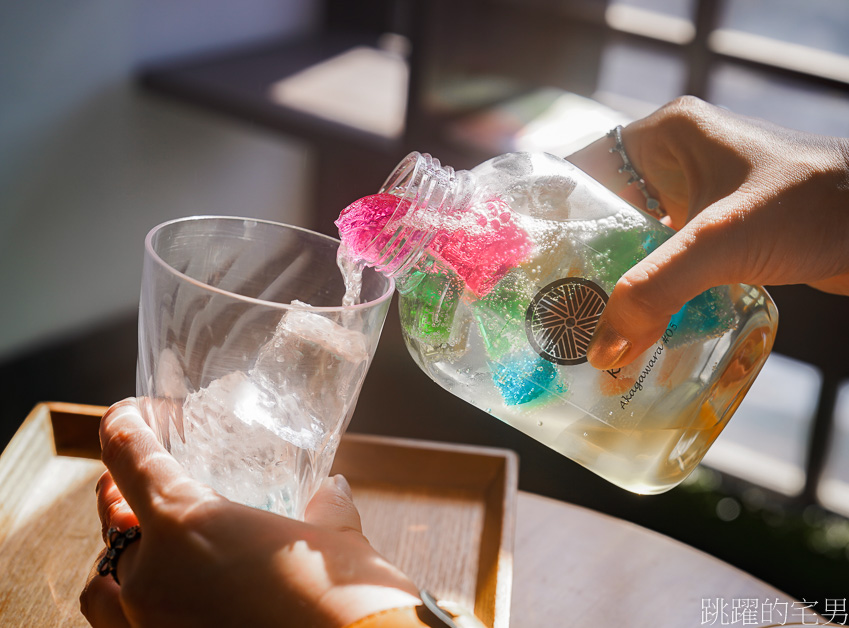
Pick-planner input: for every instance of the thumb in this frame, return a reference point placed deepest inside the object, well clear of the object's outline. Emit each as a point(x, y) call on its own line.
point(333, 507)
point(702, 255)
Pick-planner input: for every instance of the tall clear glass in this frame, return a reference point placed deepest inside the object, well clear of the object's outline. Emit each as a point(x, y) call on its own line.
point(249, 365)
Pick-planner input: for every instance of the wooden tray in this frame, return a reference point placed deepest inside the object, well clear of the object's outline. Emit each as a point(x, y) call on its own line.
point(443, 513)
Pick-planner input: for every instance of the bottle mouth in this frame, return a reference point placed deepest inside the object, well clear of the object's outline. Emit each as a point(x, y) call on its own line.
point(404, 173)
point(424, 189)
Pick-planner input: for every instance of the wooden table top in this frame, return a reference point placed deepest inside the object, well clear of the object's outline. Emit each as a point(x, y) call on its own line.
point(571, 566)
point(576, 567)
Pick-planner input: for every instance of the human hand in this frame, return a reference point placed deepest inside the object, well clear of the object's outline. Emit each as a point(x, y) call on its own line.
point(205, 561)
point(752, 202)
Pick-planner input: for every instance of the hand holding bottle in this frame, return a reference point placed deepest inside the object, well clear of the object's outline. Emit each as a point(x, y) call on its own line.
point(752, 202)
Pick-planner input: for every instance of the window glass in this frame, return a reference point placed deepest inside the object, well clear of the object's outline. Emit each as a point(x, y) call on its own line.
point(822, 24)
point(674, 8)
point(663, 21)
point(637, 78)
point(833, 489)
point(766, 440)
point(788, 102)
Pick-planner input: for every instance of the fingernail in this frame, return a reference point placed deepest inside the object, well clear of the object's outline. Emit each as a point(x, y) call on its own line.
point(607, 347)
point(342, 484)
point(128, 402)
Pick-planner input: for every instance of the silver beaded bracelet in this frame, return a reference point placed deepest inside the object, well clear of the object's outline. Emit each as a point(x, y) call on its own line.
point(652, 204)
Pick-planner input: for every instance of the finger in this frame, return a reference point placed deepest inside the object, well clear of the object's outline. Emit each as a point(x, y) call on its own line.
point(114, 512)
point(100, 601)
point(333, 507)
point(839, 284)
point(112, 508)
point(705, 253)
point(139, 465)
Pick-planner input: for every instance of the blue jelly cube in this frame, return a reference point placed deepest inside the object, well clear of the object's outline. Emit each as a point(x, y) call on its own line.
point(522, 377)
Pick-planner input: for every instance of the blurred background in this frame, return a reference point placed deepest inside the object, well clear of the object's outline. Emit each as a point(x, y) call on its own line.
point(116, 116)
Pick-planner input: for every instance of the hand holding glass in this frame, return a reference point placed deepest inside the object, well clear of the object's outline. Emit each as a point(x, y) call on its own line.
point(249, 365)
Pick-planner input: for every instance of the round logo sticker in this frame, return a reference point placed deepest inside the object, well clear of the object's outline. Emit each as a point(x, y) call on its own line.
point(561, 319)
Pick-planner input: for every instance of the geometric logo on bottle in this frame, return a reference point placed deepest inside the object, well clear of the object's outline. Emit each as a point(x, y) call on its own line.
point(561, 319)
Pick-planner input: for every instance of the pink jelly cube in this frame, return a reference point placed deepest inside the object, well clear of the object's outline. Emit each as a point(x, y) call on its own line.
point(481, 245)
point(362, 222)
point(484, 251)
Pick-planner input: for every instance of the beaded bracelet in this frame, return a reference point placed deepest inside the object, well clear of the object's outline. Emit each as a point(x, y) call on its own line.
point(652, 204)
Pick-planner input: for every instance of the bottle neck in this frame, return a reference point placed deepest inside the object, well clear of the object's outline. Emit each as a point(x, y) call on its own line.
point(428, 195)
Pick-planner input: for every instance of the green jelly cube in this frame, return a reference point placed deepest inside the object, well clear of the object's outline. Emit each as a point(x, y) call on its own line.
point(615, 252)
point(427, 310)
point(501, 315)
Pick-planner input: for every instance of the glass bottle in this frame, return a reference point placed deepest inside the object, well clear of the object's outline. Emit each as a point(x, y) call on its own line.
point(503, 272)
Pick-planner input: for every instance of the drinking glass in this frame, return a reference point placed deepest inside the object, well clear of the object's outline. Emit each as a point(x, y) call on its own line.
point(249, 365)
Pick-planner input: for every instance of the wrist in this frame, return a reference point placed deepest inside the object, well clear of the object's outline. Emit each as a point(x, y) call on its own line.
point(350, 603)
point(428, 613)
point(599, 162)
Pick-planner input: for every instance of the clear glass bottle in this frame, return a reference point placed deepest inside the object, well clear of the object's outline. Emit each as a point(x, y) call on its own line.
point(503, 272)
